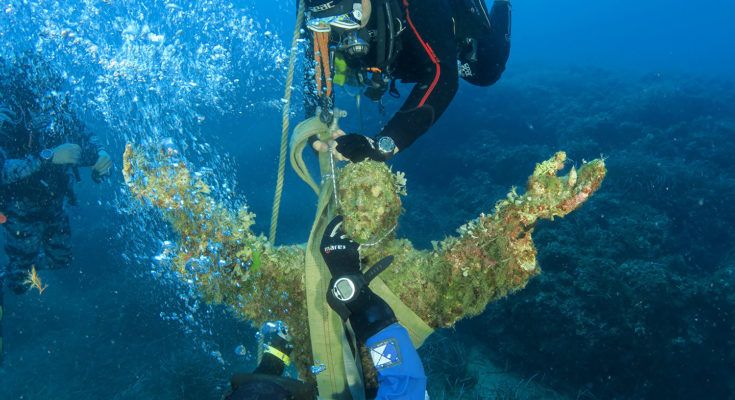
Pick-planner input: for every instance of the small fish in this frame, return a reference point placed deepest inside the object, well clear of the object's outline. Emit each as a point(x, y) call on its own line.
point(3, 218)
point(34, 281)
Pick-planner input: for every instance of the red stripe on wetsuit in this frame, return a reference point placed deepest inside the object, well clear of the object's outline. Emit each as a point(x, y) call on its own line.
point(429, 52)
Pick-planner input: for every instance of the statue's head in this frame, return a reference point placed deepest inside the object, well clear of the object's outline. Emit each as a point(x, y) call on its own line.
point(369, 199)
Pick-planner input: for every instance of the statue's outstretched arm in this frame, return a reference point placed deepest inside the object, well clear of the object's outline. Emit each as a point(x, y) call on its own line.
point(217, 251)
point(494, 254)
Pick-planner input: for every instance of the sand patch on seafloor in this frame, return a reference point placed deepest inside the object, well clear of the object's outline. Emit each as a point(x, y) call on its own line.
point(494, 381)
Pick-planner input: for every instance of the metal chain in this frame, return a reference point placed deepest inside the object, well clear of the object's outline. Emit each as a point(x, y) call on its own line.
point(333, 176)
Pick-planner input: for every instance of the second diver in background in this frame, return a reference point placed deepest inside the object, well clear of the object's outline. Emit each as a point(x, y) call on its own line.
point(40, 151)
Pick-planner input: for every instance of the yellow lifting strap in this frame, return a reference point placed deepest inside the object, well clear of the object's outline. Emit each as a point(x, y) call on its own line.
point(341, 380)
point(416, 327)
point(325, 327)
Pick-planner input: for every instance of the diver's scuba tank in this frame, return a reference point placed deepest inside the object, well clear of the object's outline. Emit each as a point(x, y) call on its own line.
point(471, 20)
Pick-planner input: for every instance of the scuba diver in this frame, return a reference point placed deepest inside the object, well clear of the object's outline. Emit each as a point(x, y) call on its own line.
point(41, 149)
point(372, 43)
point(266, 381)
point(400, 371)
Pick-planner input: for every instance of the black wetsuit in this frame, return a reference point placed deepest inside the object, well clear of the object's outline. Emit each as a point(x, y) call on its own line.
point(443, 40)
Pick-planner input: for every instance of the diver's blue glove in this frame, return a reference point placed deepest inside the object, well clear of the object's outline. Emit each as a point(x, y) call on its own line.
point(348, 293)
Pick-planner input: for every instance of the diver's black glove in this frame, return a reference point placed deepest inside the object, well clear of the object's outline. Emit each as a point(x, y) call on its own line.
point(356, 148)
point(341, 254)
point(348, 293)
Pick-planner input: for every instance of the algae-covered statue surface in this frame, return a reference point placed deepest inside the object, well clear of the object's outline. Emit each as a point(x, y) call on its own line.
point(491, 257)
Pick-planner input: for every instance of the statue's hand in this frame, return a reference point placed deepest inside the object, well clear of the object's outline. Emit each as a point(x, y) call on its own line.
point(549, 195)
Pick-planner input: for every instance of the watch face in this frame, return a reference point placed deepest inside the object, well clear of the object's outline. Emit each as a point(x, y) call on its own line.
point(47, 154)
point(386, 144)
point(344, 289)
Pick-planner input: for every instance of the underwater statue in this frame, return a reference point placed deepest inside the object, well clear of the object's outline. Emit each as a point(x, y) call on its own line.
point(492, 256)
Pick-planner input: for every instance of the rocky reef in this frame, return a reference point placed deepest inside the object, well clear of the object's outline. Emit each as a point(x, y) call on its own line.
point(492, 256)
point(636, 298)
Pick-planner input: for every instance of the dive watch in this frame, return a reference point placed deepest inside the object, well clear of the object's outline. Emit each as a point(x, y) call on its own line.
point(386, 145)
point(47, 154)
point(344, 289)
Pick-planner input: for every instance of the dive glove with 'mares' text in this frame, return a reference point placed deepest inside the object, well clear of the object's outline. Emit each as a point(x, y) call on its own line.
point(348, 293)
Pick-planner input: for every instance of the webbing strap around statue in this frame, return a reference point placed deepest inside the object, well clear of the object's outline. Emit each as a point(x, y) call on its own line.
point(299, 140)
point(325, 327)
point(416, 327)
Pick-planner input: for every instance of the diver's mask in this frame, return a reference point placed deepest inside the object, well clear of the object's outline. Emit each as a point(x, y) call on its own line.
point(354, 44)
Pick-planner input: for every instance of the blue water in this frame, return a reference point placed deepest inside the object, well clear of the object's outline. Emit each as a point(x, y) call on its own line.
point(636, 299)
point(645, 36)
